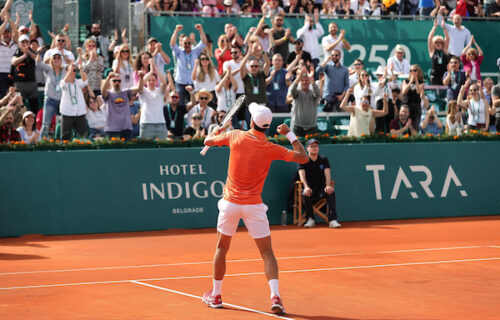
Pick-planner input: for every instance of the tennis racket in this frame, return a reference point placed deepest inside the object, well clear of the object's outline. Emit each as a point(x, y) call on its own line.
point(227, 118)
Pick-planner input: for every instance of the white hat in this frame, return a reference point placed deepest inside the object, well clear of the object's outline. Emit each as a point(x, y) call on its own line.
point(28, 113)
point(261, 115)
point(23, 37)
point(54, 52)
point(379, 71)
point(228, 3)
point(399, 48)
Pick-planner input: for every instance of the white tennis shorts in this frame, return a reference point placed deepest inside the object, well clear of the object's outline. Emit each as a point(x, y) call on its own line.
point(254, 216)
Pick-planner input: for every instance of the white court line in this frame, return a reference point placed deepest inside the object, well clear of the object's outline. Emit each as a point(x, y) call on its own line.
point(240, 260)
point(197, 297)
point(495, 247)
point(255, 273)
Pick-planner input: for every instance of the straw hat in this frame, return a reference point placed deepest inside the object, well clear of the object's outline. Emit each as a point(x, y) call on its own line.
point(204, 91)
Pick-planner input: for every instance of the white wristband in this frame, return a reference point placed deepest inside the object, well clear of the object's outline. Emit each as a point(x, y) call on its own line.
point(291, 136)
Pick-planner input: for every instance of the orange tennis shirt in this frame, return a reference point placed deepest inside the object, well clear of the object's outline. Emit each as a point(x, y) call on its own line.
point(249, 161)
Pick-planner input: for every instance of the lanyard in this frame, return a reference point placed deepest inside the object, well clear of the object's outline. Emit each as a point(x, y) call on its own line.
point(229, 98)
point(439, 55)
point(253, 84)
point(204, 116)
point(57, 88)
point(74, 99)
point(475, 110)
point(170, 113)
point(276, 77)
point(189, 65)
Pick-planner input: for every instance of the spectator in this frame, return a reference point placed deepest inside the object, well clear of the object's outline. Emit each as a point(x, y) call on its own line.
point(246, 11)
point(235, 39)
point(397, 63)
point(60, 45)
point(254, 82)
point(337, 81)
point(402, 125)
point(23, 65)
point(53, 72)
point(408, 7)
point(96, 117)
point(152, 123)
point(34, 30)
point(277, 85)
point(73, 107)
point(454, 119)
point(122, 65)
point(218, 117)
point(495, 105)
point(272, 8)
point(425, 7)
point(431, 123)
point(195, 130)
point(476, 105)
point(294, 7)
point(355, 72)
point(166, 5)
point(141, 63)
point(334, 41)
point(327, 10)
point(363, 116)
point(411, 91)
point(311, 36)
point(185, 59)
point(454, 79)
point(223, 52)
point(437, 47)
point(102, 43)
point(201, 108)
point(205, 76)
point(304, 112)
point(459, 36)
point(39, 77)
point(299, 51)
point(93, 65)
point(118, 119)
point(234, 67)
point(309, 7)
point(8, 132)
point(155, 49)
point(226, 90)
point(493, 9)
point(8, 47)
point(393, 103)
point(262, 34)
point(210, 8)
point(374, 9)
point(315, 175)
point(344, 8)
point(231, 7)
point(472, 59)
point(365, 88)
point(282, 37)
point(487, 86)
point(174, 113)
point(27, 130)
point(113, 49)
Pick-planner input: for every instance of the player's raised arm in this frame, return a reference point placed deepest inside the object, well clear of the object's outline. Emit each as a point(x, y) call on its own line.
point(299, 155)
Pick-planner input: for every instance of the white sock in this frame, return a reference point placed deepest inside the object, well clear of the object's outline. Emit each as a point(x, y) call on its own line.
point(274, 286)
point(217, 287)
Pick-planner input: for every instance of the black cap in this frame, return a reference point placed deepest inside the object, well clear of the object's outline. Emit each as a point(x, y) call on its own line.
point(311, 141)
point(298, 41)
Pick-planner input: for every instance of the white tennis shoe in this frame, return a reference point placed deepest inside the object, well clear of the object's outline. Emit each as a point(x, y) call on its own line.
point(335, 224)
point(310, 223)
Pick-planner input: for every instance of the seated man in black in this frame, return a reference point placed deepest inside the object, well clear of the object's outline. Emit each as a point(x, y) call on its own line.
point(316, 177)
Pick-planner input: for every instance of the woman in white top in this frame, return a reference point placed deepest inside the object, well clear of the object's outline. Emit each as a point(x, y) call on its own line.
point(123, 65)
point(454, 122)
point(226, 90)
point(96, 117)
point(365, 87)
point(477, 106)
point(27, 130)
point(152, 123)
point(73, 106)
point(362, 120)
point(205, 75)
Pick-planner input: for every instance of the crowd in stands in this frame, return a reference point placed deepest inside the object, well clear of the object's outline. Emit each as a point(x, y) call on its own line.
point(100, 90)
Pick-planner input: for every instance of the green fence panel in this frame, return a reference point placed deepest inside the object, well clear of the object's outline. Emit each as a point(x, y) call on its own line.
point(94, 191)
point(372, 40)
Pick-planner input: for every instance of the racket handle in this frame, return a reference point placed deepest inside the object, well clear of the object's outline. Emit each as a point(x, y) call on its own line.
point(204, 150)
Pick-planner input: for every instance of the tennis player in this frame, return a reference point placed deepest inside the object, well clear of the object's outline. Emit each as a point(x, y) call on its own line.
point(249, 161)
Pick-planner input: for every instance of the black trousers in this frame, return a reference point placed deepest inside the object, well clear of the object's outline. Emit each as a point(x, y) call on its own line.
point(79, 123)
point(317, 195)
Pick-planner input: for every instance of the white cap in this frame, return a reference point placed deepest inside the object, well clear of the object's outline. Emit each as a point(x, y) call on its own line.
point(28, 113)
point(380, 70)
point(261, 115)
point(23, 37)
point(53, 52)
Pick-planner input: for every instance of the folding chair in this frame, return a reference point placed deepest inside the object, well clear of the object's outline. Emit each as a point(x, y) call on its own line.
point(299, 216)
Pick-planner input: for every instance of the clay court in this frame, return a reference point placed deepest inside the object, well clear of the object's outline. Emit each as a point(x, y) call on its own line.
point(405, 269)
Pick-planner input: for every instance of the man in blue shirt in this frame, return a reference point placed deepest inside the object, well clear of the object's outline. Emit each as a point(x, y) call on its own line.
point(277, 85)
point(336, 81)
point(185, 58)
point(431, 123)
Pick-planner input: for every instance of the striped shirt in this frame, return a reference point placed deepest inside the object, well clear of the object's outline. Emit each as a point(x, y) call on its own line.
point(6, 53)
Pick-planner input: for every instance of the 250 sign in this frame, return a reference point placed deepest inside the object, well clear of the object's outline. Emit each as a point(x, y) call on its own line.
point(375, 50)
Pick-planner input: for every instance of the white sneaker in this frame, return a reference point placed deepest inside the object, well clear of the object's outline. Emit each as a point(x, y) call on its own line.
point(335, 224)
point(310, 223)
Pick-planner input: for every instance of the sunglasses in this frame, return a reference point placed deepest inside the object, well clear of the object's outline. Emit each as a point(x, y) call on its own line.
point(174, 97)
point(91, 45)
point(61, 40)
point(254, 66)
point(203, 98)
point(365, 101)
point(413, 70)
point(223, 40)
point(196, 118)
point(116, 80)
point(453, 62)
point(364, 75)
point(336, 55)
point(357, 64)
point(56, 57)
point(74, 70)
point(125, 51)
point(234, 52)
point(186, 43)
point(203, 59)
point(473, 90)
